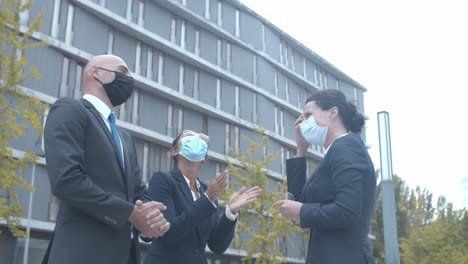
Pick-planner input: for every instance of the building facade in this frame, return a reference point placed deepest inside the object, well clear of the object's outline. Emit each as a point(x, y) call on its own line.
point(212, 66)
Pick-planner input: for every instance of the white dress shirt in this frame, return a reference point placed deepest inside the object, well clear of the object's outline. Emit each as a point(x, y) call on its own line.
point(229, 214)
point(104, 110)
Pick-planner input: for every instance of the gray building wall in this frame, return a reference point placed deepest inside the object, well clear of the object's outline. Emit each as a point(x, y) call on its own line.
point(219, 69)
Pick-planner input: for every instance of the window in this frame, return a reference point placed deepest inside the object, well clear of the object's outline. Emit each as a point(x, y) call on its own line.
point(293, 65)
point(263, 37)
point(138, 58)
point(281, 123)
point(54, 32)
point(141, 14)
point(136, 107)
point(276, 83)
point(276, 121)
point(161, 68)
point(219, 53)
point(237, 102)
point(69, 28)
point(220, 14)
point(63, 91)
point(237, 23)
point(128, 14)
point(255, 71)
point(175, 115)
point(173, 29)
point(197, 42)
point(181, 78)
point(254, 110)
point(304, 67)
point(281, 52)
point(145, 169)
point(228, 57)
point(231, 138)
point(218, 94)
point(207, 9)
point(79, 73)
point(53, 208)
point(149, 64)
point(196, 85)
point(110, 42)
point(283, 160)
point(227, 138)
point(182, 34)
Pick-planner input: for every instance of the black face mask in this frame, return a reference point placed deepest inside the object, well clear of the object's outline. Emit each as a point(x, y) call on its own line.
point(120, 89)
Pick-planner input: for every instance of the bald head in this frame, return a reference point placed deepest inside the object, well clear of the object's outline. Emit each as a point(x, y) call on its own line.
point(98, 71)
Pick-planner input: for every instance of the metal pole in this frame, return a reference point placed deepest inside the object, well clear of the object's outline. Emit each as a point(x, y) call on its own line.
point(28, 224)
point(392, 255)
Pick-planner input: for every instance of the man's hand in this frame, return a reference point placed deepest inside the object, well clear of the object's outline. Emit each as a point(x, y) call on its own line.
point(289, 209)
point(149, 219)
point(217, 185)
point(243, 197)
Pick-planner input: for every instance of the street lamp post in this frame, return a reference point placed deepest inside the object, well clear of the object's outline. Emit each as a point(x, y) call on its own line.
point(392, 255)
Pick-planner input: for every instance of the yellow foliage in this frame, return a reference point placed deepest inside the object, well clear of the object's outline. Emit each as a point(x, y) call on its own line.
point(260, 227)
point(14, 103)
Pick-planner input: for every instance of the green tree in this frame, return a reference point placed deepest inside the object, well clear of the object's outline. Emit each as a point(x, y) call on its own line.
point(417, 222)
point(402, 217)
point(260, 227)
point(440, 241)
point(14, 103)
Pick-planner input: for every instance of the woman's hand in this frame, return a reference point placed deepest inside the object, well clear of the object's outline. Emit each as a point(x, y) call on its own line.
point(217, 186)
point(302, 144)
point(243, 197)
point(289, 209)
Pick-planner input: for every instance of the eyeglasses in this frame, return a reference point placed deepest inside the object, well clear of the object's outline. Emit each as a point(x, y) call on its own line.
point(193, 133)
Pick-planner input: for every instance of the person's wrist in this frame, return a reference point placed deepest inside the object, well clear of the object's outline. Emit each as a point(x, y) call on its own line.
point(300, 152)
point(210, 196)
point(233, 210)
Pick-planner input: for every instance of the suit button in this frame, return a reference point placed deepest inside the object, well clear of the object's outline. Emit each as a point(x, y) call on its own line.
point(197, 251)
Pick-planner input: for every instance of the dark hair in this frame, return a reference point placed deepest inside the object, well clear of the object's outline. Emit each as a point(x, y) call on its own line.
point(174, 145)
point(326, 99)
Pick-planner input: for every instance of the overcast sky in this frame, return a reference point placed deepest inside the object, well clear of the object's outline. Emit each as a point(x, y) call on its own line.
point(412, 57)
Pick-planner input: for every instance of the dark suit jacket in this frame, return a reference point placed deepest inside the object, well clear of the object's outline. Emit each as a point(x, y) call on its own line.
point(193, 223)
point(96, 192)
point(338, 201)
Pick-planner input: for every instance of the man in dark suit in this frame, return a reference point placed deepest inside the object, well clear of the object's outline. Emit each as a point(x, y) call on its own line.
point(94, 172)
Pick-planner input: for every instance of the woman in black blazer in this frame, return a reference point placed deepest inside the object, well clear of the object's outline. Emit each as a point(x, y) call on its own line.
point(337, 201)
point(192, 206)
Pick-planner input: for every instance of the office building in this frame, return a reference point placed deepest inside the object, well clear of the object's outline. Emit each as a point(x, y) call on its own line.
point(213, 66)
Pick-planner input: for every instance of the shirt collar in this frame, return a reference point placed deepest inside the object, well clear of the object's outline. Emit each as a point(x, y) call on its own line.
point(326, 150)
point(100, 106)
point(188, 183)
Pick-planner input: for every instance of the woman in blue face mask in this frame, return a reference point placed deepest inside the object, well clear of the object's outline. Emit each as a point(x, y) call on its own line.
point(192, 206)
point(337, 201)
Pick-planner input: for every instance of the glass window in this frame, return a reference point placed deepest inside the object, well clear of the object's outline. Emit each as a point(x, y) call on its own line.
point(37, 249)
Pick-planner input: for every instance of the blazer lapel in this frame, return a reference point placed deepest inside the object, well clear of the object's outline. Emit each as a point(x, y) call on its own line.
point(182, 184)
point(97, 115)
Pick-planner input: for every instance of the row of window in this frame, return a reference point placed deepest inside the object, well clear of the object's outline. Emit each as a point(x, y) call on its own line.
point(217, 93)
point(148, 61)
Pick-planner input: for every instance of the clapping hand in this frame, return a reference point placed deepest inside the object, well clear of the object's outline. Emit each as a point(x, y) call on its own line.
point(243, 197)
point(149, 219)
point(217, 186)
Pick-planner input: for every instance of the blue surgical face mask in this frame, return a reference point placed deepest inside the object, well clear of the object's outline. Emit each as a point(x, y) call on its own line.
point(313, 133)
point(193, 148)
